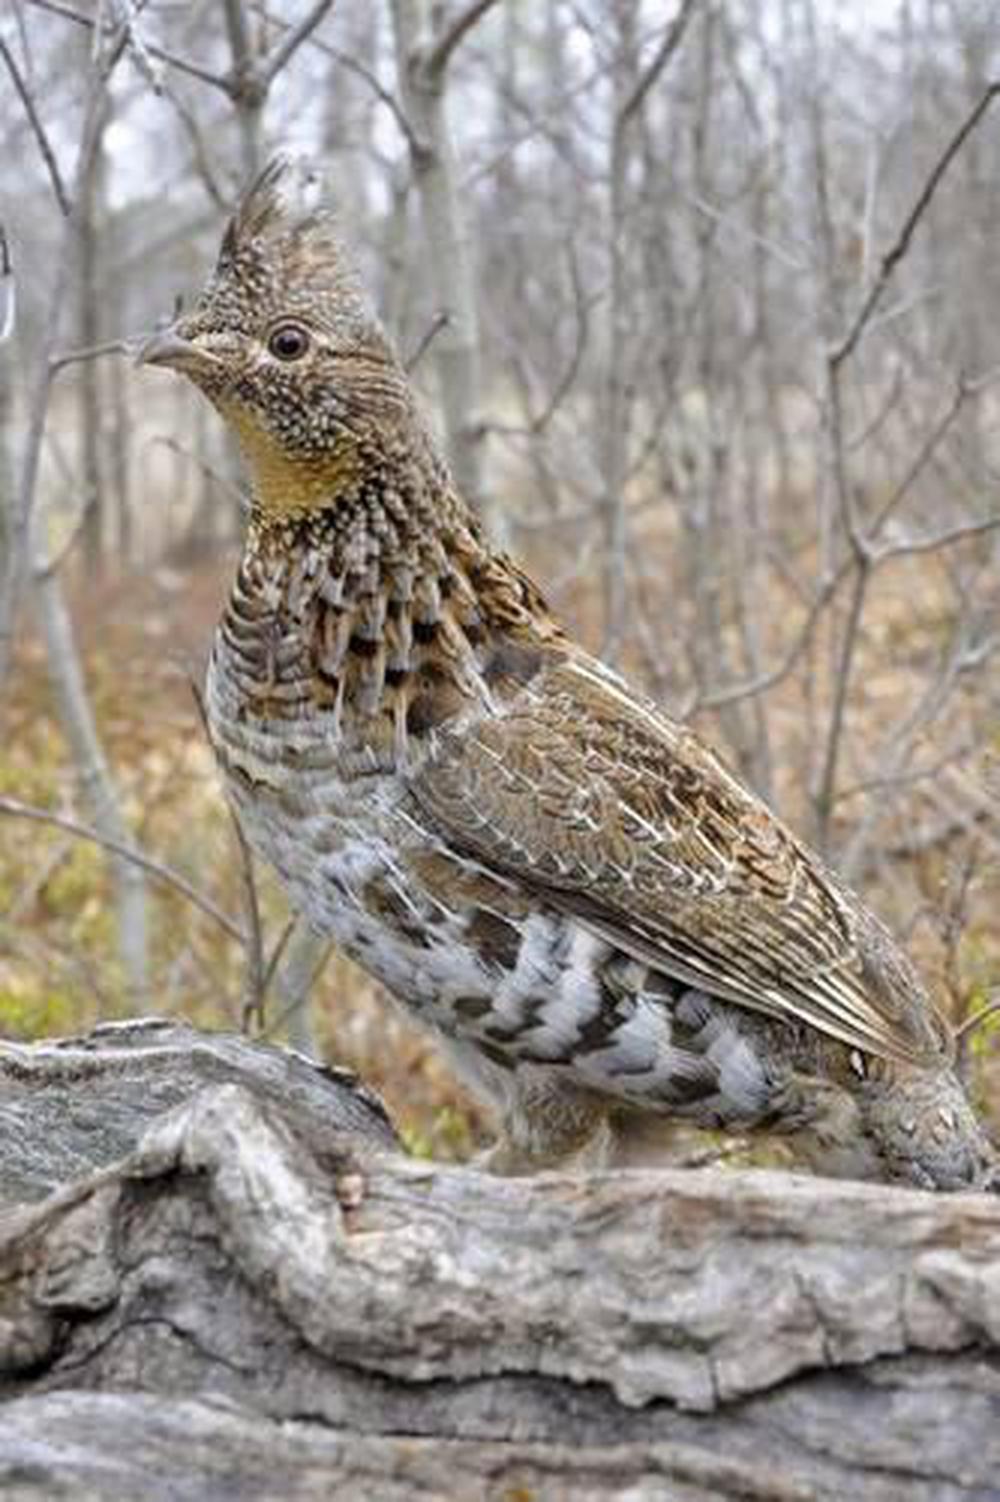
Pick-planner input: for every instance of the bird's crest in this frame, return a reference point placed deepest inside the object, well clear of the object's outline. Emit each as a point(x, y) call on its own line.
point(288, 196)
point(284, 236)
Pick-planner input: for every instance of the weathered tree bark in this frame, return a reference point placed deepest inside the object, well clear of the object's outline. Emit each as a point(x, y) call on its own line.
point(422, 57)
point(264, 1298)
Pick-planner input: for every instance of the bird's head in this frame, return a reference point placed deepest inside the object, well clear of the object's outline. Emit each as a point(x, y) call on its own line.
point(285, 343)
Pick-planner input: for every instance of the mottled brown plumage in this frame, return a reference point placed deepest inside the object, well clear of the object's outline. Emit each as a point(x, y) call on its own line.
point(569, 886)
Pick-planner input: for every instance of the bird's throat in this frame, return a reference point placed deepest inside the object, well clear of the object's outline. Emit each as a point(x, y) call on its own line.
point(284, 486)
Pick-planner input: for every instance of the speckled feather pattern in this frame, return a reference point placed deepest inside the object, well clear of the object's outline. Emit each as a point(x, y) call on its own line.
point(568, 886)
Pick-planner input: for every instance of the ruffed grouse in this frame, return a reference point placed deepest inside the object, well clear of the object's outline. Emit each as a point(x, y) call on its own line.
point(563, 882)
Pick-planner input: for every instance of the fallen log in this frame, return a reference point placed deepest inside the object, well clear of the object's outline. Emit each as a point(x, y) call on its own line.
point(220, 1275)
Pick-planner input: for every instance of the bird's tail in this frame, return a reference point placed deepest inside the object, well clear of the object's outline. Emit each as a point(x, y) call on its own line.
point(926, 1133)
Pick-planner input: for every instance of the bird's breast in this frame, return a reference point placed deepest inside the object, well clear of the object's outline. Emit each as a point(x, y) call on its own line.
point(472, 952)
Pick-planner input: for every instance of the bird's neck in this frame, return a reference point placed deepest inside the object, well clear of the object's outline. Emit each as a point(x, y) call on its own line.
point(385, 609)
point(382, 611)
point(368, 522)
point(391, 552)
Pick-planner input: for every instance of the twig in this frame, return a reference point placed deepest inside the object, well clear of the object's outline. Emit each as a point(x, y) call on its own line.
point(202, 164)
point(824, 800)
point(8, 297)
point(672, 38)
point(539, 123)
point(385, 96)
point(723, 218)
point(44, 568)
point(182, 64)
point(290, 43)
point(901, 244)
point(255, 991)
point(40, 875)
point(138, 51)
point(538, 422)
point(893, 781)
point(977, 1019)
point(345, 60)
point(444, 45)
point(227, 487)
point(278, 951)
point(765, 681)
point(253, 938)
point(440, 321)
point(938, 541)
point(306, 960)
point(14, 561)
point(565, 382)
point(16, 809)
point(37, 128)
point(92, 352)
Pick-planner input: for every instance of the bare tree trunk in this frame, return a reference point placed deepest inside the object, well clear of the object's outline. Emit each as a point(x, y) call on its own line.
point(614, 412)
point(8, 501)
point(89, 373)
point(17, 527)
point(248, 97)
point(121, 462)
point(423, 81)
point(100, 794)
point(397, 278)
point(17, 522)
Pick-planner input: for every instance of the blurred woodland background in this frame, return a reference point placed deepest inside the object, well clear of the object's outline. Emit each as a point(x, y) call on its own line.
point(704, 297)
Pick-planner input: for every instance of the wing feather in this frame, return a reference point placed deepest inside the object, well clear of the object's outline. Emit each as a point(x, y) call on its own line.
point(613, 812)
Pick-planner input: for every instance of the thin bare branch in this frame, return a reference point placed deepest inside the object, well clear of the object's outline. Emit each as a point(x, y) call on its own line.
point(901, 244)
point(672, 38)
point(37, 129)
point(239, 40)
point(824, 800)
point(976, 1019)
point(18, 810)
point(385, 96)
point(14, 557)
point(938, 541)
point(8, 295)
point(136, 45)
point(437, 323)
point(566, 381)
point(444, 45)
point(182, 64)
point(255, 985)
point(200, 155)
point(226, 485)
point(93, 352)
point(44, 568)
point(291, 42)
point(274, 960)
point(762, 682)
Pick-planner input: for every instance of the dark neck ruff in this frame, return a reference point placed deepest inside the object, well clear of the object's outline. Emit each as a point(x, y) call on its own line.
point(375, 609)
point(388, 533)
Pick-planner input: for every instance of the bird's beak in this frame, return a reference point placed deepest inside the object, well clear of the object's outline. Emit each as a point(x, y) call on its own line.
point(177, 353)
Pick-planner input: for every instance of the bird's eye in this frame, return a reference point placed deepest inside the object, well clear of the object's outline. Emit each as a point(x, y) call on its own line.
point(288, 342)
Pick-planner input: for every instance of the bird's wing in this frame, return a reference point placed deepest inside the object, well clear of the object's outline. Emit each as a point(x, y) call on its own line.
point(601, 804)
